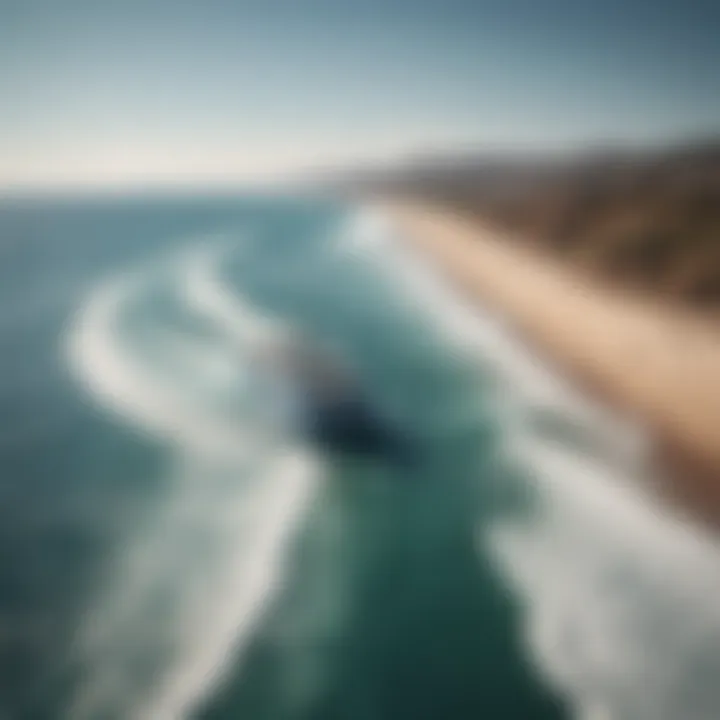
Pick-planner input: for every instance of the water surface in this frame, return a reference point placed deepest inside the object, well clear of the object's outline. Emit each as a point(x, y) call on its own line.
point(175, 548)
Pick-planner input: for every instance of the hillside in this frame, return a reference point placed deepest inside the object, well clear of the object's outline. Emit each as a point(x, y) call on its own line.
point(646, 220)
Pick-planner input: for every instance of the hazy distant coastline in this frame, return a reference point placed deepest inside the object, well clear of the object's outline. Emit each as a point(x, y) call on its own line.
point(647, 220)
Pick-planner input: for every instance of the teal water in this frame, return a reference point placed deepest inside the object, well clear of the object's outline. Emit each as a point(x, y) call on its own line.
point(173, 548)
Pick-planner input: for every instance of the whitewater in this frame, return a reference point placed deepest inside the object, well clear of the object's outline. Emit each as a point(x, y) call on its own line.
point(618, 591)
point(616, 595)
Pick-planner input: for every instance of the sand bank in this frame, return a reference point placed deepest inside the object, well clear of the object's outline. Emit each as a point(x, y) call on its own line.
point(656, 363)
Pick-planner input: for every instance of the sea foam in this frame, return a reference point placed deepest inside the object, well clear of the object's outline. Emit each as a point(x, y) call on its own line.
point(187, 590)
point(619, 595)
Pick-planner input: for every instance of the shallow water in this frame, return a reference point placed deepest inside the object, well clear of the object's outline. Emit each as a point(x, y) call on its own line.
point(174, 547)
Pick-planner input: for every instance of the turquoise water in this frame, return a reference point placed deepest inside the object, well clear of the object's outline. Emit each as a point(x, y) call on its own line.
point(174, 548)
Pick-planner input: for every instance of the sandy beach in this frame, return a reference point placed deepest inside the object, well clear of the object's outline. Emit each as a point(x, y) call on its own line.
point(655, 363)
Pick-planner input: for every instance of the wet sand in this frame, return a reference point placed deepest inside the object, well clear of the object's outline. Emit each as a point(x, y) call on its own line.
point(655, 363)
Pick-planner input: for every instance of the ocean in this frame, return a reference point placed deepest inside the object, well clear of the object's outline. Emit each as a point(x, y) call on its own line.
point(174, 547)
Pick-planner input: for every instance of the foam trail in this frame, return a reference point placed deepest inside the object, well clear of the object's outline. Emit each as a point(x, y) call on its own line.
point(188, 589)
point(118, 379)
point(620, 595)
point(205, 292)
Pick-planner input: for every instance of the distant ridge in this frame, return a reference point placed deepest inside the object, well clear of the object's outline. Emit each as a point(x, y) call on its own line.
point(647, 218)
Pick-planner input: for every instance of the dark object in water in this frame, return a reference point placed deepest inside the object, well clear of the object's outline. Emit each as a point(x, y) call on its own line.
point(334, 409)
point(348, 424)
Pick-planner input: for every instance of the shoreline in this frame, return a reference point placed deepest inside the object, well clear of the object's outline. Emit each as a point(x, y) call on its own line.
point(654, 363)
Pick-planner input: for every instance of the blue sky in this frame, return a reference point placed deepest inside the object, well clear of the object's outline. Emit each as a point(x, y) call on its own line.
point(219, 91)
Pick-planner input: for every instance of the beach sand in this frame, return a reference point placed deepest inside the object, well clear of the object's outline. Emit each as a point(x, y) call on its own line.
point(655, 363)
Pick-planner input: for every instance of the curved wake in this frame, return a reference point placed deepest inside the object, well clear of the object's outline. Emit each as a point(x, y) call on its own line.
point(618, 597)
point(188, 589)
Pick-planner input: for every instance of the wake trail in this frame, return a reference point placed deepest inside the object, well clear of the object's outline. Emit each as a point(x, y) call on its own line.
point(187, 590)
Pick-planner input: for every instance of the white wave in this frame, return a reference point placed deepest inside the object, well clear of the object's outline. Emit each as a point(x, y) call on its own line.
point(621, 609)
point(619, 595)
point(205, 292)
point(188, 589)
point(118, 377)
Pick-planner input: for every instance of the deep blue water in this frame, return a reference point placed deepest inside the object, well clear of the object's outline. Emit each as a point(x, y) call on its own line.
point(172, 548)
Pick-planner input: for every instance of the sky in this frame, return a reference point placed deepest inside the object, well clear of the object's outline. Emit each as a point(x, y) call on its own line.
point(219, 91)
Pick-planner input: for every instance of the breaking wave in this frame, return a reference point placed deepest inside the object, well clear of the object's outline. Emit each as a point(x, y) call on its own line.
point(619, 596)
point(163, 347)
